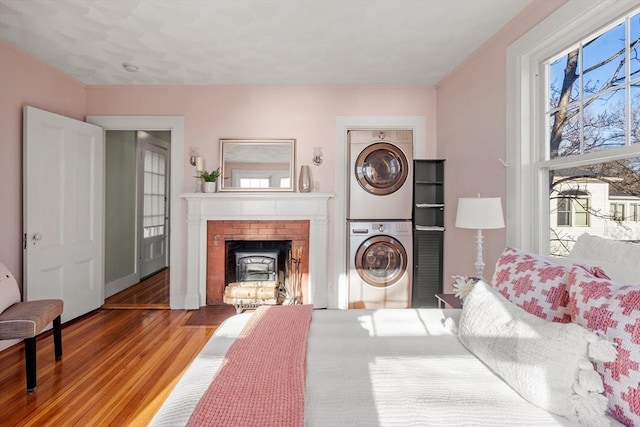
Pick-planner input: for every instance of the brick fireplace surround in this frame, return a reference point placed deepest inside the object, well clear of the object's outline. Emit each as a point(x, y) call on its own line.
point(269, 210)
point(218, 232)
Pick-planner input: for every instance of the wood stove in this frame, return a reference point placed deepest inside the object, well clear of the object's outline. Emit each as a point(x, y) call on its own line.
point(256, 265)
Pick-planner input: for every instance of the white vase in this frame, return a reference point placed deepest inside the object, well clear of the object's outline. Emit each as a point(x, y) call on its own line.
point(304, 182)
point(209, 187)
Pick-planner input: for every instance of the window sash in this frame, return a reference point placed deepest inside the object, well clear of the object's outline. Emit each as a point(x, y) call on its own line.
point(564, 212)
point(582, 215)
point(527, 198)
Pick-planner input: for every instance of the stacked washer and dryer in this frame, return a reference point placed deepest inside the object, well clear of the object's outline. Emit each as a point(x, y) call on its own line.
point(380, 246)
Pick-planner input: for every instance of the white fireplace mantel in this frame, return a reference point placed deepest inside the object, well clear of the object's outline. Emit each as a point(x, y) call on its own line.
point(203, 207)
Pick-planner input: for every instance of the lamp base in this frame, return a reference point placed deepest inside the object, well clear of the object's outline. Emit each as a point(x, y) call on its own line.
point(479, 263)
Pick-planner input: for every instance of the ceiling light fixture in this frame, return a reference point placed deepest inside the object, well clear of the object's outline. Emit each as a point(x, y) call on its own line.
point(130, 67)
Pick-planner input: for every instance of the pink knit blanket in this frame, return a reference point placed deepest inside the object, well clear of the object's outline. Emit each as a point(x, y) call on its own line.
point(262, 379)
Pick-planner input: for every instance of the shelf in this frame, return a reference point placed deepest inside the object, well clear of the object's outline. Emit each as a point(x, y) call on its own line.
point(429, 205)
point(429, 228)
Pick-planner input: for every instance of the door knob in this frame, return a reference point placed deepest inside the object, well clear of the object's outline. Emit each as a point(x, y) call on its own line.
point(37, 236)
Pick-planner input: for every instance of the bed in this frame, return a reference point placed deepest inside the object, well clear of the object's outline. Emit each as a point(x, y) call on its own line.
point(408, 367)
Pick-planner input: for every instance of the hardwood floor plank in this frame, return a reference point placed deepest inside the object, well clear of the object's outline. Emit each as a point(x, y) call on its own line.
point(152, 292)
point(118, 366)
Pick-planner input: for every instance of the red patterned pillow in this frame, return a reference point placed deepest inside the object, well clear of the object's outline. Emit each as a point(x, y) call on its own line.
point(613, 311)
point(533, 283)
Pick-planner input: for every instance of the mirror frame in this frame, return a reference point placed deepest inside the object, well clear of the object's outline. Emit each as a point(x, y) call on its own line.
point(225, 175)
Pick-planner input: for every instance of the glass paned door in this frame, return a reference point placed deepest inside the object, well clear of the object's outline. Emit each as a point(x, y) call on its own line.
point(154, 174)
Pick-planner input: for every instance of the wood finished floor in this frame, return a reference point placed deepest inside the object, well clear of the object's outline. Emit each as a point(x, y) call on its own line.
point(150, 293)
point(118, 366)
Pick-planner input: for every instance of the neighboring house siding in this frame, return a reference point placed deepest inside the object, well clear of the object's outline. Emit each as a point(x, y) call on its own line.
point(600, 224)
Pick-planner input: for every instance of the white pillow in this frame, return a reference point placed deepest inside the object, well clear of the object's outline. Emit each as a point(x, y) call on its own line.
point(619, 260)
point(547, 363)
point(9, 292)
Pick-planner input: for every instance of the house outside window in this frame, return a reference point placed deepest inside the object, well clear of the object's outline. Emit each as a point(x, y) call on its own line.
point(575, 126)
point(582, 214)
point(564, 212)
point(572, 211)
point(616, 210)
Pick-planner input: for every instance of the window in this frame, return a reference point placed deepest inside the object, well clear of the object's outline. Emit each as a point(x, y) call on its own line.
point(634, 212)
point(564, 212)
point(154, 209)
point(572, 211)
point(582, 212)
point(254, 182)
point(573, 124)
point(616, 210)
point(593, 105)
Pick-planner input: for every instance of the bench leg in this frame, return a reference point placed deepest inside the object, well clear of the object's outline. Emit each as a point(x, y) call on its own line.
point(30, 362)
point(57, 338)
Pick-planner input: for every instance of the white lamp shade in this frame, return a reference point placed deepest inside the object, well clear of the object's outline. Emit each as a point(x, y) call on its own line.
point(480, 213)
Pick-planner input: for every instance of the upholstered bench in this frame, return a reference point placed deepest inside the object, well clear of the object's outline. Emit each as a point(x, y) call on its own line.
point(25, 320)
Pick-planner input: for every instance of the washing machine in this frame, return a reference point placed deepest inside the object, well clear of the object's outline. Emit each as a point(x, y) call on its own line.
point(380, 174)
point(380, 264)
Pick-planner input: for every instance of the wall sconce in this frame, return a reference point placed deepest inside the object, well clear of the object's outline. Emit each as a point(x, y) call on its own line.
point(195, 160)
point(317, 156)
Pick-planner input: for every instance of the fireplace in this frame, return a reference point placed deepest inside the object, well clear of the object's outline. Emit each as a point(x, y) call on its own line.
point(259, 249)
point(207, 214)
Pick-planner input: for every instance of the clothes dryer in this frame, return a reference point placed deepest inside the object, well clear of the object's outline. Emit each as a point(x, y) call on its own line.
point(380, 174)
point(380, 264)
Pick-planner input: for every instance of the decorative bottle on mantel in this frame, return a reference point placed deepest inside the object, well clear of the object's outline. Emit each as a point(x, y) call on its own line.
point(304, 182)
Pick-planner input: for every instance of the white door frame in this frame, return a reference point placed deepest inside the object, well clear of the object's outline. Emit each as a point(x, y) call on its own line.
point(176, 125)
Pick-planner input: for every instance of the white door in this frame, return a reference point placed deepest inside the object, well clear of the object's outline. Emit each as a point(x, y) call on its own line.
point(63, 169)
point(154, 180)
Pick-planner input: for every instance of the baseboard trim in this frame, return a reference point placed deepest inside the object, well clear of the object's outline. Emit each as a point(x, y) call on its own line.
point(119, 285)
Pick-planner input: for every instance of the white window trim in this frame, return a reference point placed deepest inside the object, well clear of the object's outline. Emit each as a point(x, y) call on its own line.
point(527, 223)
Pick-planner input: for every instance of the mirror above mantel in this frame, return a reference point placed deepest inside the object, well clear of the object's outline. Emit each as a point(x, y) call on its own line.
point(257, 164)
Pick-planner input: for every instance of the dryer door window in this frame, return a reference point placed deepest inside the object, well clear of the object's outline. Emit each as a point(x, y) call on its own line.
point(381, 261)
point(381, 168)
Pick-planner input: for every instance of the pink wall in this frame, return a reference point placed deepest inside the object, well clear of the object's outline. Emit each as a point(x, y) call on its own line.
point(469, 111)
point(307, 113)
point(25, 81)
point(471, 123)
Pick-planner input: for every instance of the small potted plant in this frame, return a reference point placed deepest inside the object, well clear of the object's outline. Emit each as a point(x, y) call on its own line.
point(209, 179)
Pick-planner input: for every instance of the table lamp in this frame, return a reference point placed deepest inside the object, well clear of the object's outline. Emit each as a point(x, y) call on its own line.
point(479, 213)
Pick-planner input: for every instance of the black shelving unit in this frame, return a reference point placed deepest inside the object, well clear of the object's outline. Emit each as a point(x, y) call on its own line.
point(428, 231)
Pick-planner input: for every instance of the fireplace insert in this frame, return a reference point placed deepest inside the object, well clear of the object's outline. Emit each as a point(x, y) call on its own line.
point(256, 260)
point(256, 265)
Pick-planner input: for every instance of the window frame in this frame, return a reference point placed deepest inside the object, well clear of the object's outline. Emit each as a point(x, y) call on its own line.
point(617, 210)
point(565, 211)
point(527, 203)
point(634, 212)
point(584, 203)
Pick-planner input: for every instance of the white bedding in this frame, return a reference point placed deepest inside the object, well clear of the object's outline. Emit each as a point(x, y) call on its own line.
point(378, 367)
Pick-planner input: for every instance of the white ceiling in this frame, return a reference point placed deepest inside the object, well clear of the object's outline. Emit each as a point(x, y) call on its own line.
point(221, 42)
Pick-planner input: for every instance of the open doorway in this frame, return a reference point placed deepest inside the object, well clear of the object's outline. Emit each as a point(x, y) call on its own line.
point(137, 190)
point(174, 124)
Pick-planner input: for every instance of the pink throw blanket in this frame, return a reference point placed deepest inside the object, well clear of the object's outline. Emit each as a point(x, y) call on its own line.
point(262, 380)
